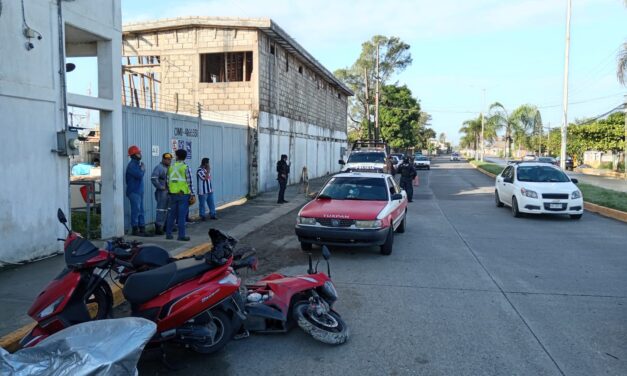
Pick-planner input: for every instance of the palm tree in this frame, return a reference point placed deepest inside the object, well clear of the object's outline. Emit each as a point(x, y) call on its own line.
point(529, 123)
point(472, 133)
point(621, 69)
point(499, 118)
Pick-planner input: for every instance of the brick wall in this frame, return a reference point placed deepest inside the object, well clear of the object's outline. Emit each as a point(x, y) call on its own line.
point(180, 51)
point(294, 91)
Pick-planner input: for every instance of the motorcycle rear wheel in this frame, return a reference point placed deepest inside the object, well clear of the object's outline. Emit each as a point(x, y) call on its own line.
point(327, 328)
point(223, 334)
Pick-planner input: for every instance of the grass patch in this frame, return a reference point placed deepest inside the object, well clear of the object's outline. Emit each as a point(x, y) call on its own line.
point(79, 224)
point(604, 197)
point(489, 167)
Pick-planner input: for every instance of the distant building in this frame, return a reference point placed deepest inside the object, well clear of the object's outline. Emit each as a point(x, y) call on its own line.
point(245, 71)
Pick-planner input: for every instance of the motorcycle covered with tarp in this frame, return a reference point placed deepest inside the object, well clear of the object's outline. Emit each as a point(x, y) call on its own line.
point(95, 348)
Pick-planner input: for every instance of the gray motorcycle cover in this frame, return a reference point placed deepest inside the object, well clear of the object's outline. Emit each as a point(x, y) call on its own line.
point(104, 347)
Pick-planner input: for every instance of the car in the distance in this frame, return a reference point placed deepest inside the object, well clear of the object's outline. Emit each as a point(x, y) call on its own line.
point(538, 188)
point(455, 156)
point(529, 157)
point(354, 210)
point(549, 160)
point(420, 161)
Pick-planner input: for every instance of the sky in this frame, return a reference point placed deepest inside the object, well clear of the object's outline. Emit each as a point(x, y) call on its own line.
point(514, 49)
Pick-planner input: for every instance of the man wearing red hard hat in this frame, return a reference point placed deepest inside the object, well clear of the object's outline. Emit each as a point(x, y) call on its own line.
point(135, 190)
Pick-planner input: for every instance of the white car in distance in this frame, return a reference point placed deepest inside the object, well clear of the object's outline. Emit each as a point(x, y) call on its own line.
point(538, 188)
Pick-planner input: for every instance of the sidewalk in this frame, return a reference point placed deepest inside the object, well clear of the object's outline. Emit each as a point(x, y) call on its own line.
point(20, 285)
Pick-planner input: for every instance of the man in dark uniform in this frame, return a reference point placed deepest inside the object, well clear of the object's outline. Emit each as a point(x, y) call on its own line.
point(282, 170)
point(408, 173)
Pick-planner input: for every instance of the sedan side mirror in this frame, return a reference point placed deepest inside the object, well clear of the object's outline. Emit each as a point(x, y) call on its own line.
point(575, 181)
point(397, 196)
point(341, 161)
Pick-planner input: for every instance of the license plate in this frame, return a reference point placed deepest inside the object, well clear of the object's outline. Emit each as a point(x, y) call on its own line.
point(555, 206)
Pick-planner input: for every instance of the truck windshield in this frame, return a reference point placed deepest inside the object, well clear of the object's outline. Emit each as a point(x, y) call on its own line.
point(367, 157)
point(355, 188)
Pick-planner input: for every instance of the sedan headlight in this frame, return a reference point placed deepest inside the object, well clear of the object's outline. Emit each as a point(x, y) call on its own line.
point(369, 224)
point(306, 221)
point(528, 193)
point(575, 194)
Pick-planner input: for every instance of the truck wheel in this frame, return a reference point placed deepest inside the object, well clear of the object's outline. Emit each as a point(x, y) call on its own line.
point(386, 248)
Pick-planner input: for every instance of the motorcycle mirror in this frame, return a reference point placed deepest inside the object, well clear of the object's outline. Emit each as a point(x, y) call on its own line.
point(326, 253)
point(61, 216)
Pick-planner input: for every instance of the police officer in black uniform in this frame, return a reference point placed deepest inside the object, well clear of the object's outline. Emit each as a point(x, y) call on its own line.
point(408, 173)
point(282, 170)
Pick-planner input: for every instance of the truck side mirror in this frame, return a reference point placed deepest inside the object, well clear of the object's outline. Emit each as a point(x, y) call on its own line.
point(341, 161)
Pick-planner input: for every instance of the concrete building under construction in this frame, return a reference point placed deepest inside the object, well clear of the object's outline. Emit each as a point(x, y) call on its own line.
point(247, 71)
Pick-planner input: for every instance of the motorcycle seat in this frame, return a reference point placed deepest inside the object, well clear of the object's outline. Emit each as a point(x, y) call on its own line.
point(141, 287)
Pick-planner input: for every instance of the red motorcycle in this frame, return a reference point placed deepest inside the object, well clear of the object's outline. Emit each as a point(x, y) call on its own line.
point(277, 302)
point(192, 300)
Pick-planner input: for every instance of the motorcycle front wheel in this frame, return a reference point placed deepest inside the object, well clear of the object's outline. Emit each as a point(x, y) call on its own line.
point(327, 327)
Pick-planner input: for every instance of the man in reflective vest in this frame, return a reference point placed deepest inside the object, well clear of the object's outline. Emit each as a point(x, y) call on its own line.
point(181, 194)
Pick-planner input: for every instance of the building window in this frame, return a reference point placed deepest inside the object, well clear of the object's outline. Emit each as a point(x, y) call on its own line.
point(300, 69)
point(272, 49)
point(226, 67)
point(287, 62)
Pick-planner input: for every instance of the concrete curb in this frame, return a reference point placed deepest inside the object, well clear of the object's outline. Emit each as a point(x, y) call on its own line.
point(10, 342)
point(594, 208)
point(606, 212)
point(595, 172)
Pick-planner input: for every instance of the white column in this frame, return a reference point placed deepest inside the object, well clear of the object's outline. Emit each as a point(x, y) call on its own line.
point(112, 156)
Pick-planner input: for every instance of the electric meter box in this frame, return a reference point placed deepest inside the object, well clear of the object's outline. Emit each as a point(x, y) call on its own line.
point(67, 143)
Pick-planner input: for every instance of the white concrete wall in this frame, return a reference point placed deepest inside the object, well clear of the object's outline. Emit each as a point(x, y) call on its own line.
point(305, 144)
point(35, 180)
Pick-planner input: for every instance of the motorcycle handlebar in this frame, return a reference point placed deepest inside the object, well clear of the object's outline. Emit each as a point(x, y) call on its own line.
point(122, 263)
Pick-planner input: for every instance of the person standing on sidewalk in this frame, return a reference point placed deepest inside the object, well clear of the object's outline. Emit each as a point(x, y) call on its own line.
point(181, 194)
point(283, 171)
point(159, 181)
point(408, 173)
point(205, 190)
point(135, 190)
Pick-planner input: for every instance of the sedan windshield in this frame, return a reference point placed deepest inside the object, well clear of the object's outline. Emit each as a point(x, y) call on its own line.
point(355, 188)
point(541, 174)
point(370, 157)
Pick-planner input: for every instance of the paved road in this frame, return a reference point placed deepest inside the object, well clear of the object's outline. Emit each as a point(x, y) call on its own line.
point(468, 290)
point(600, 181)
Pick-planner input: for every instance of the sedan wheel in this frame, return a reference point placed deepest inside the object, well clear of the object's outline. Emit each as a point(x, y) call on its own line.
point(515, 212)
point(576, 216)
point(497, 200)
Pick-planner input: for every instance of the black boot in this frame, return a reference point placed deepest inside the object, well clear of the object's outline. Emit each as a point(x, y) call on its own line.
point(142, 232)
point(159, 230)
point(135, 231)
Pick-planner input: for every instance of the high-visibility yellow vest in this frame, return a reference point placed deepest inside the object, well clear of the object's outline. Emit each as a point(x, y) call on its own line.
point(177, 180)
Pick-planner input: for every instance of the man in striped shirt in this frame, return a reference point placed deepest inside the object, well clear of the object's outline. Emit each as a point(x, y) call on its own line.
point(205, 190)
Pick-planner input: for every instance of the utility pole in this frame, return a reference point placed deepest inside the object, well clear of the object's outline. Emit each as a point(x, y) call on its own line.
point(625, 141)
point(482, 127)
point(565, 103)
point(376, 108)
point(548, 140)
point(368, 104)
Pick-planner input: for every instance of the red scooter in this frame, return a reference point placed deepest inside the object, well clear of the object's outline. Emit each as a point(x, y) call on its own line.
point(192, 300)
point(277, 302)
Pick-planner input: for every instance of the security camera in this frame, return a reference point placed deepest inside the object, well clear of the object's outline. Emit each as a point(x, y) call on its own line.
point(29, 46)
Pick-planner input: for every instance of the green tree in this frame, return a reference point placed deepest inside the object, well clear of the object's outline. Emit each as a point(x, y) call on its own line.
point(394, 57)
point(399, 115)
point(471, 130)
point(519, 125)
point(621, 68)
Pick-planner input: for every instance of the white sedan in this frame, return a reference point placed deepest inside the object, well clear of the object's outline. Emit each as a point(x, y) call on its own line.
point(532, 187)
point(422, 162)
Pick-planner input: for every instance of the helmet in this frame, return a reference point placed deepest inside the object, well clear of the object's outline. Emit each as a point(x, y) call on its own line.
point(134, 149)
point(166, 156)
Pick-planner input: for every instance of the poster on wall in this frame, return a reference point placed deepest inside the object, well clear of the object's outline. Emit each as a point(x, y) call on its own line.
point(182, 144)
point(155, 150)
